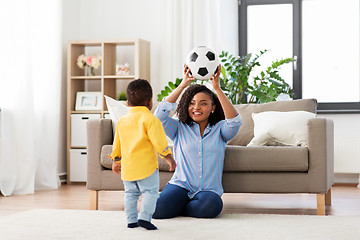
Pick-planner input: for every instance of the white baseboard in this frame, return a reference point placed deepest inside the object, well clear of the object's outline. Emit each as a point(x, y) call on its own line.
point(347, 178)
point(338, 178)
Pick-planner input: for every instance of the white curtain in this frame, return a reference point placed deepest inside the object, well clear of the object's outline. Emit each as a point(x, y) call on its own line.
point(30, 88)
point(191, 23)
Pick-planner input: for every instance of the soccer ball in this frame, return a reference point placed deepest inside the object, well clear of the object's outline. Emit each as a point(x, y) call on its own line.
point(203, 62)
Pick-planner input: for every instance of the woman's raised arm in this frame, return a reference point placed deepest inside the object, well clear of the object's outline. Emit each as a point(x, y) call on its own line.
point(174, 95)
point(229, 110)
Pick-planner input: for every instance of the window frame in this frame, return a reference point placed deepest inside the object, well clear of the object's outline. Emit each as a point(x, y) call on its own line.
point(323, 107)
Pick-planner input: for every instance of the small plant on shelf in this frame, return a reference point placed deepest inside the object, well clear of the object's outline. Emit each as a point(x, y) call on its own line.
point(122, 96)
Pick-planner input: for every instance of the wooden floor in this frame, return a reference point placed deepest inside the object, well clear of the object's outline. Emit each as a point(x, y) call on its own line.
point(345, 201)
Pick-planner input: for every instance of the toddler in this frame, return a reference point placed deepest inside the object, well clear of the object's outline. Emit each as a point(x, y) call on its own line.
point(139, 135)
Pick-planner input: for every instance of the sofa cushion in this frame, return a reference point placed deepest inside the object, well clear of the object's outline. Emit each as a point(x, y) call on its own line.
point(104, 158)
point(266, 159)
point(106, 162)
point(246, 132)
point(117, 109)
point(272, 128)
point(243, 159)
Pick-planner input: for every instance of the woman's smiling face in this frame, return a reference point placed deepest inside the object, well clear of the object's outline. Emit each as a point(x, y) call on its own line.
point(200, 107)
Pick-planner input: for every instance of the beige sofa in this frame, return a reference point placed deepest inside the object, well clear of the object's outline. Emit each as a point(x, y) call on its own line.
point(260, 169)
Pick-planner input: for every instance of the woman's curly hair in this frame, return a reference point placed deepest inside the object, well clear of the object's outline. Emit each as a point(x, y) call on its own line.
point(183, 106)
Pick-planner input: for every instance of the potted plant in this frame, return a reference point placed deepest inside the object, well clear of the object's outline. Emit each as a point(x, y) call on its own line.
point(238, 84)
point(240, 87)
point(122, 98)
point(168, 89)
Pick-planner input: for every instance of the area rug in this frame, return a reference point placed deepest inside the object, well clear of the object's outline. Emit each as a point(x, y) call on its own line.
point(83, 224)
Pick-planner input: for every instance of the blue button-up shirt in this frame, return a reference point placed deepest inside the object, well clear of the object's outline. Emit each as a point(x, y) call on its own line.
point(199, 159)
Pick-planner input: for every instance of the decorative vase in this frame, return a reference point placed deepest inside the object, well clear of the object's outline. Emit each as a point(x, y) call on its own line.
point(89, 71)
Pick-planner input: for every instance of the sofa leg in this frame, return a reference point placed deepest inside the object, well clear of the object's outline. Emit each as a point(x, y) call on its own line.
point(328, 197)
point(94, 200)
point(320, 204)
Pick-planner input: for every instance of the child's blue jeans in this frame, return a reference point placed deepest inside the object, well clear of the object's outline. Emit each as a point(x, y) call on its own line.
point(149, 188)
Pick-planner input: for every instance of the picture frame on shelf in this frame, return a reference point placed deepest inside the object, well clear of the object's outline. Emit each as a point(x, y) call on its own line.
point(88, 101)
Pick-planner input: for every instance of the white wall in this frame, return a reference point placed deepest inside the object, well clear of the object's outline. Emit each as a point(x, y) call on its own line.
point(111, 19)
point(127, 19)
point(117, 19)
point(114, 19)
point(70, 31)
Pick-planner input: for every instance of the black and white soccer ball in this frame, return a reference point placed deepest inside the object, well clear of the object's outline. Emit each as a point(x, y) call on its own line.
point(203, 62)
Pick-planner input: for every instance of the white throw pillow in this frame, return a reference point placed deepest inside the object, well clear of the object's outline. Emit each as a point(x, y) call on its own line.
point(116, 109)
point(281, 128)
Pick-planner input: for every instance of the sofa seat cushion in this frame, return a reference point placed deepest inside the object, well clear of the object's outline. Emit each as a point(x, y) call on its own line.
point(106, 162)
point(246, 159)
point(266, 159)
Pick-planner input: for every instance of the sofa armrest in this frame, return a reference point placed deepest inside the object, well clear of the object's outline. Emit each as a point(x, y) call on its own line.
point(321, 153)
point(99, 133)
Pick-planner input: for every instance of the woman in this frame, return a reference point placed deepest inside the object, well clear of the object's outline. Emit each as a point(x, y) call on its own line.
point(200, 135)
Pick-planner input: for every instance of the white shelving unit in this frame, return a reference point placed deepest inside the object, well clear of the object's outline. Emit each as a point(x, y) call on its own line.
point(136, 52)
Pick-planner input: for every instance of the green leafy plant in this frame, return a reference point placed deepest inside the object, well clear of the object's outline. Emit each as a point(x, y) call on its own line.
point(240, 87)
point(122, 96)
point(238, 84)
point(168, 89)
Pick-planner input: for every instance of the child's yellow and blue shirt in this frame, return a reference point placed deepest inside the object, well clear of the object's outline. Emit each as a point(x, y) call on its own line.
point(139, 136)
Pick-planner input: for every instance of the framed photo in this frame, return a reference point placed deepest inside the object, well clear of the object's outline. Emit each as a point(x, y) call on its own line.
point(89, 101)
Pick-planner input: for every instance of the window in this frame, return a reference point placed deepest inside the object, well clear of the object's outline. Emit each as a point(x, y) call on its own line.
point(323, 35)
point(263, 35)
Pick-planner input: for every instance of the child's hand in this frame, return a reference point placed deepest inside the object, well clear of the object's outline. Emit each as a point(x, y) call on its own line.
point(215, 79)
point(116, 167)
point(187, 78)
point(170, 160)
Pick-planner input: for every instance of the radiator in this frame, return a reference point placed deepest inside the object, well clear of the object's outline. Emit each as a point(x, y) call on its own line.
point(0, 137)
point(0, 124)
point(347, 154)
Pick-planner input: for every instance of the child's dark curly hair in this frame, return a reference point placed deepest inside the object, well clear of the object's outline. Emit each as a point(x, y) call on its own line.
point(139, 92)
point(182, 108)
